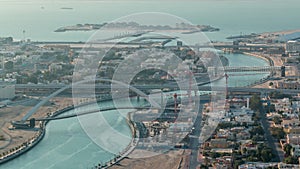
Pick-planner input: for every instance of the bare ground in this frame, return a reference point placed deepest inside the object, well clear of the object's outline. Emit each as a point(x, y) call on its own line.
point(13, 138)
point(174, 159)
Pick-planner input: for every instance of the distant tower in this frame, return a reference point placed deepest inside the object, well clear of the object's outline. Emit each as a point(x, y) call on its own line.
point(2, 63)
point(226, 90)
point(282, 71)
point(32, 123)
point(179, 43)
point(248, 103)
point(175, 102)
point(24, 35)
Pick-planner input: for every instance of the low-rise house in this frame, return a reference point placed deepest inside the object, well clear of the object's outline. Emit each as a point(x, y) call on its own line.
point(218, 143)
point(222, 150)
point(295, 150)
point(293, 139)
point(224, 162)
point(243, 135)
point(237, 103)
point(241, 111)
point(288, 166)
point(55, 67)
point(223, 133)
point(288, 85)
point(290, 122)
point(283, 105)
point(244, 119)
point(292, 129)
point(247, 147)
point(257, 165)
point(296, 106)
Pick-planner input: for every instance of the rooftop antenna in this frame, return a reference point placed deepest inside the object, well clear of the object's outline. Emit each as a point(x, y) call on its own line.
point(24, 35)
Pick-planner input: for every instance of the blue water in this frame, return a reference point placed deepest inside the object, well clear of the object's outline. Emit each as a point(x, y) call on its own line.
point(238, 79)
point(66, 145)
point(40, 18)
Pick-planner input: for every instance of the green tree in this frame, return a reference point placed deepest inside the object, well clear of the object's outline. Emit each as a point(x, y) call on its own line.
point(271, 84)
point(266, 154)
point(287, 149)
point(237, 163)
point(291, 160)
point(277, 133)
point(277, 120)
point(255, 103)
point(62, 58)
point(9, 65)
point(258, 130)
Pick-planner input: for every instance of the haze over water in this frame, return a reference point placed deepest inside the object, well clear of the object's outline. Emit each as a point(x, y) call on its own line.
point(39, 19)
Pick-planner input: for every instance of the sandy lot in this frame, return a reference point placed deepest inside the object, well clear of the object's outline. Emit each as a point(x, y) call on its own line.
point(14, 138)
point(171, 160)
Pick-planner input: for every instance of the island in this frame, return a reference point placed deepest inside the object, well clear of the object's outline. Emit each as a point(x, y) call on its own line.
point(181, 27)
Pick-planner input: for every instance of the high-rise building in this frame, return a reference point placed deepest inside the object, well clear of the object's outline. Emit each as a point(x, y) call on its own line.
point(292, 47)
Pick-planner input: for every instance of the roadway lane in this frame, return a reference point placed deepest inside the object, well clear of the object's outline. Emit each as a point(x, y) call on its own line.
point(270, 139)
point(194, 139)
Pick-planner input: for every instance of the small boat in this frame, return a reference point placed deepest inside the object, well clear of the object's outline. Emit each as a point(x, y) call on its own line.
point(68, 8)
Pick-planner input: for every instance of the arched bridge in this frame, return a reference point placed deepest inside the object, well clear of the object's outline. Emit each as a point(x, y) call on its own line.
point(97, 111)
point(36, 107)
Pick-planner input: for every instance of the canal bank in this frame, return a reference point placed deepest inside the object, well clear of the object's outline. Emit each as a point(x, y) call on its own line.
point(267, 59)
point(26, 146)
point(62, 142)
point(38, 137)
point(131, 146)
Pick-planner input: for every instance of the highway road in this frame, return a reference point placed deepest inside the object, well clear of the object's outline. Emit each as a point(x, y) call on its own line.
point(194, 139)
point(272, 142)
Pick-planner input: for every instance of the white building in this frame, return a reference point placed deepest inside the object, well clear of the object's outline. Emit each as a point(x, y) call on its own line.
point(288, 166)
point(241, 112)
point(55, 67)
point(244, 119)
point(283, 105)
point(292, 47)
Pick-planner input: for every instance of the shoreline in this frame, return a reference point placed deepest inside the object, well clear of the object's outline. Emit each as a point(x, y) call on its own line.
point(130, 147)
point(42, 131)
point(34, 142)
point(267, 59)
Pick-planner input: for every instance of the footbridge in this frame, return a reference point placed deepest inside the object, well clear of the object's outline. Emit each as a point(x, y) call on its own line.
point(252, 68)
point(100, 110)
point(248, 69)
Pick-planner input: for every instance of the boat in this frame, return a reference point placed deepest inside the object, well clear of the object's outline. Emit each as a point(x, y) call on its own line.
point(68, 8)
